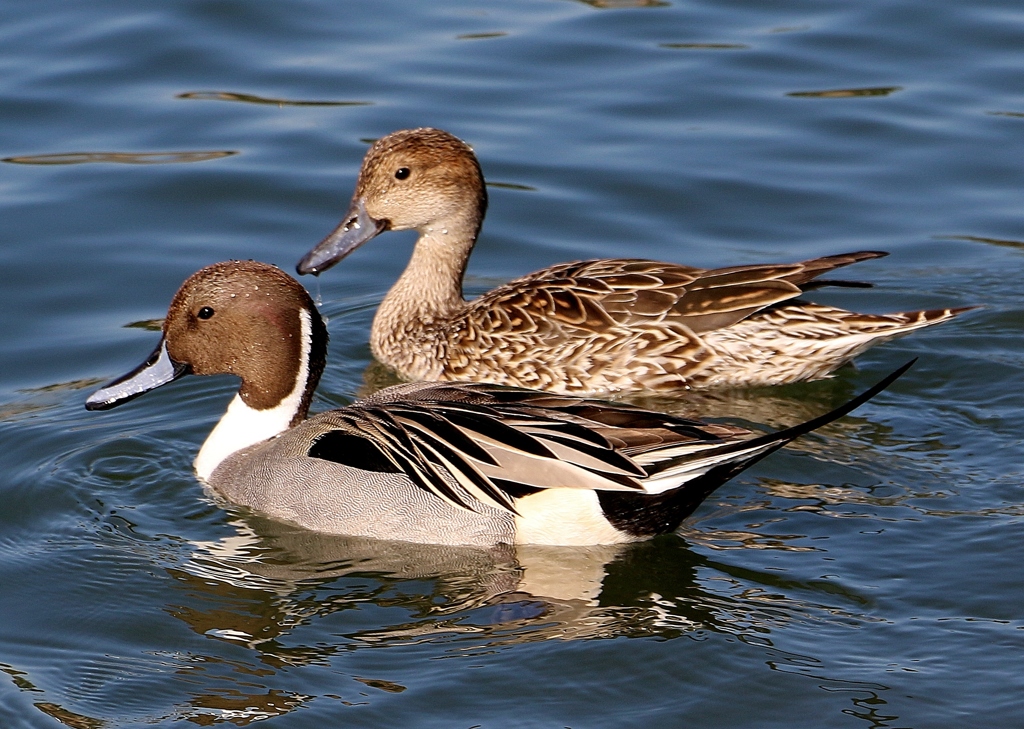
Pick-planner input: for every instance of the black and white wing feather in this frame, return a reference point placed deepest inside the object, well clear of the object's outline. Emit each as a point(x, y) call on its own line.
point(472, 444)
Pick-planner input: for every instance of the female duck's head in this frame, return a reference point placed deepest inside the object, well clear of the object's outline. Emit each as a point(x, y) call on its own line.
point(420, 179)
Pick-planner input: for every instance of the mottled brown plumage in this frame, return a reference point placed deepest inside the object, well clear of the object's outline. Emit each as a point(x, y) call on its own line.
point(598, 326)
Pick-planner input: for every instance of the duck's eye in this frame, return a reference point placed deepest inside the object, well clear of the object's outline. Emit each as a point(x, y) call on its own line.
point(205, 313)
point(401, 173)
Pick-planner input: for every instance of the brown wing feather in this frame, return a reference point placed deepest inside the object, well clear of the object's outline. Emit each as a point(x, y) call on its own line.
point(814, 267)
point(602, 295)
point(613, 324)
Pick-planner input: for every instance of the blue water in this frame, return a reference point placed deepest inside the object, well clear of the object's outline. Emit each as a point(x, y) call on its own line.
point(869, 577)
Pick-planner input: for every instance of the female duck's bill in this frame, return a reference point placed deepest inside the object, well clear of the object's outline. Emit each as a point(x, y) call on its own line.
point(586, 327)
point(357, 228)
point(450, 463)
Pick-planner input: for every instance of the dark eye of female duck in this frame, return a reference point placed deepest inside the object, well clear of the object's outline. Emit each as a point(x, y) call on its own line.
point(401, 173)
point(205, 313)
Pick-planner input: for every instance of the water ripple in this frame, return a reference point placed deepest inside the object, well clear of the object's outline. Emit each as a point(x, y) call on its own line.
point(129, 158)
point(847, 93)
point(253, 99)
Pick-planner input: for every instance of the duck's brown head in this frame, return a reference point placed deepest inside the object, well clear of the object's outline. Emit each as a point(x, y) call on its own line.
point(241, 318)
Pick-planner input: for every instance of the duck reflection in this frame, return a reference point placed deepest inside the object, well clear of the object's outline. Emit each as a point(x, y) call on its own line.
point(272, 581)
point(286, 609)
point(605, 4)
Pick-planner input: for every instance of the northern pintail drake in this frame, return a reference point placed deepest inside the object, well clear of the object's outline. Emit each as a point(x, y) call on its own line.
point(587, 327)
point(447, 463)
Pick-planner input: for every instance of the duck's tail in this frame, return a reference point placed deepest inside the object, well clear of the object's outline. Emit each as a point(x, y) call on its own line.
point(677, 485)
point(800, 340)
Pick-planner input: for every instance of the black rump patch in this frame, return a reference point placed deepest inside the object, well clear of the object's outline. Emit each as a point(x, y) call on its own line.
point(353, 451)
point(648, 515)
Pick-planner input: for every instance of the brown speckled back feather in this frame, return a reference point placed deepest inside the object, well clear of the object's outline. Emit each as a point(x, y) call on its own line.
point(626, 324)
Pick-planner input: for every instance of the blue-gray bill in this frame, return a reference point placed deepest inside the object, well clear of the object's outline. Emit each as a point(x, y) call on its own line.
point(158, 369)
point(357, 228)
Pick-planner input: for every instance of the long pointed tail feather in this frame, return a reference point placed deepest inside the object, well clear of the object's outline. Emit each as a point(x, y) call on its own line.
point(761, 446)
point(646, 515)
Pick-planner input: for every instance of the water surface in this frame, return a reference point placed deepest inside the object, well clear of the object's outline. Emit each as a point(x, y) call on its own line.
point(868, 577)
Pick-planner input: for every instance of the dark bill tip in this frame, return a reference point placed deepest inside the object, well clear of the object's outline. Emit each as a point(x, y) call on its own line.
point(357, 228)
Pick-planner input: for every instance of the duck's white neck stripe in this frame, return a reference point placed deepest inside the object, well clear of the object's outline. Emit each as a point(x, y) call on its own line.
point(242, 426)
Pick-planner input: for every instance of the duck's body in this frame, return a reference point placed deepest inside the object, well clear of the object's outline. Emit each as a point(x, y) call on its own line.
point(614, 325)
point(600, 326)
point(448, 463)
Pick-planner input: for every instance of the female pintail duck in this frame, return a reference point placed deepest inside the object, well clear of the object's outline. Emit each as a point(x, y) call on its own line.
point(586, 327)
point(439, 463)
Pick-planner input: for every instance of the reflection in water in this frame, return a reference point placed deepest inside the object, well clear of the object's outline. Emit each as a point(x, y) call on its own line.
point(727, 539)
point(33, 400)
point(847, 93)
point(128, 158)
point(287, 609)
point(389, 686)
point(626, 3)
point(777, 407)
point(252, 99)
point(149, 325)
point(19, 678)
point(277, 610)
point(270, 586)
point(865, 694)
point(1003, 242)
point(276, 577)
point(241, 708)
point(479, 36)
point(56, 711)
point(68, 718)
point(705, 46)
point(376, 377)
point(511, 186)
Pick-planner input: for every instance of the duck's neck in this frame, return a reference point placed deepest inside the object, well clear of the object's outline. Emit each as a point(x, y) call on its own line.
point(430, 288)
point(243, 425)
